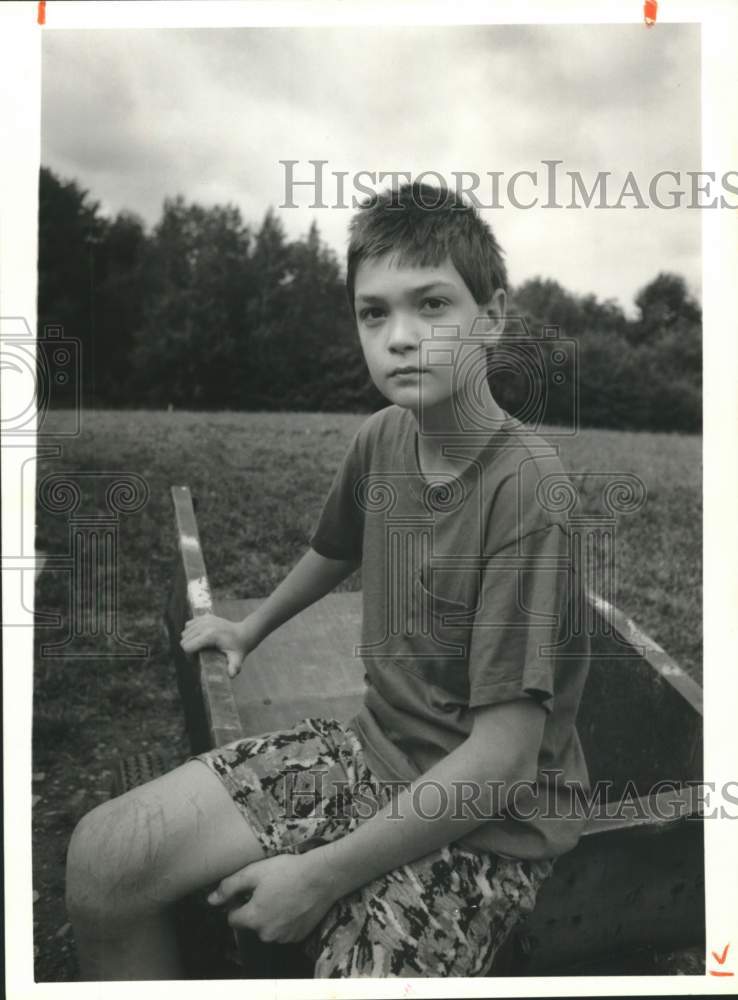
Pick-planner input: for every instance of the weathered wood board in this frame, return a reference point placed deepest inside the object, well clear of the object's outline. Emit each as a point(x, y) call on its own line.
point(630, 881)
point(305, 668)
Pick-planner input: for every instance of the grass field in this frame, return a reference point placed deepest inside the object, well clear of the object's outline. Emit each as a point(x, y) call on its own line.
point(259, 479)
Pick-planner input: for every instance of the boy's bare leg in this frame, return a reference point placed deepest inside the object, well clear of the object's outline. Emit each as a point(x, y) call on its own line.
point(131, 858)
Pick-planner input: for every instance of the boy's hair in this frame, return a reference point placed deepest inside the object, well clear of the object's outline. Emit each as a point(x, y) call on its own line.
point(423, 226)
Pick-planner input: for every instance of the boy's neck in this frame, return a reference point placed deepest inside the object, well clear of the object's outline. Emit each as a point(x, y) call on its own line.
point(441, 427)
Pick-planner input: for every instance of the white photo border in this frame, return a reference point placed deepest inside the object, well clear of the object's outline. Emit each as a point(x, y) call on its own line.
point(20, 66)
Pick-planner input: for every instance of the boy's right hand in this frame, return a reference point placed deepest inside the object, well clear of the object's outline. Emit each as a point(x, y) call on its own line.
point(235, 639)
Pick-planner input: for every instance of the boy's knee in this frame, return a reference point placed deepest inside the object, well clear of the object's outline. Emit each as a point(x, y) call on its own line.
point(91, 866)
point(110, 861)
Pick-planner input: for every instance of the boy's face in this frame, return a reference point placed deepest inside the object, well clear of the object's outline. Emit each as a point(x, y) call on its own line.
point(397, 309)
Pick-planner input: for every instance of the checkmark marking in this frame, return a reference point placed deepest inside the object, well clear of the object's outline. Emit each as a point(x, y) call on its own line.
point(720, 959)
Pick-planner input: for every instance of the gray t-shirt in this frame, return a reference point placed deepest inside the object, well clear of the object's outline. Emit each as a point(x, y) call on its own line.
point(469, 591)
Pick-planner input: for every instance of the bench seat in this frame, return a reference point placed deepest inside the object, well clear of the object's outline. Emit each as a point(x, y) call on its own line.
point(305, 668)
point(635, 880)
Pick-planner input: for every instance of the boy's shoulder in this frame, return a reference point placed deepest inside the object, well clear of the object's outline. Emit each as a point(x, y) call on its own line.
point(386, 421)
point(526, 485)
point(384, 428)
point(523, 447)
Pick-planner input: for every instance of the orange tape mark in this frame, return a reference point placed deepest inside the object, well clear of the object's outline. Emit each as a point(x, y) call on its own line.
point(41, 17)
point(650, 9)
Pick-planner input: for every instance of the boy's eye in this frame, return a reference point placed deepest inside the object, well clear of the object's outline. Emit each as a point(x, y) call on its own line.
point(371, 313)
point(434, 304)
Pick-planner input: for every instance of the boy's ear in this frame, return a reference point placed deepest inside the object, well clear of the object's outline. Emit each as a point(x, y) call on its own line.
point(495, 310)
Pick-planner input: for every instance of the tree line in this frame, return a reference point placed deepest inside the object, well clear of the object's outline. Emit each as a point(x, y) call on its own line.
point(206, 311)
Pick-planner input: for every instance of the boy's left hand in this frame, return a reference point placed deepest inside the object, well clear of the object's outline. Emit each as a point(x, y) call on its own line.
point(286, 899)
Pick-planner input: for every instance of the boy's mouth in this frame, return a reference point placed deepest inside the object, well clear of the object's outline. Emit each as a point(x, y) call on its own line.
point(407, 370)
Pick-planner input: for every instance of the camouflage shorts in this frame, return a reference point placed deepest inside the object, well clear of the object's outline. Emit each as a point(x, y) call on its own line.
point(446, 914)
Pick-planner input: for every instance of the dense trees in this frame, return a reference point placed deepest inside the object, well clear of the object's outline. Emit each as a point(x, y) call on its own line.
point(640, 373)
point(207, 311)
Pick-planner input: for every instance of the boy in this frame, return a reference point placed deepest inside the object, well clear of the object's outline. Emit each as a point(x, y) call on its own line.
point(409, 841)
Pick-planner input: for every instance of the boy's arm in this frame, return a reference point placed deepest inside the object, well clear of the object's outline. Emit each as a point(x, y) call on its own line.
point(311, 578)
point(338, 533)
point(502, 749)
point(291, 893)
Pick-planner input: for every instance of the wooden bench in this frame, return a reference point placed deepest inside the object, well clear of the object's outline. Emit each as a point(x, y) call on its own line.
point(634, 881)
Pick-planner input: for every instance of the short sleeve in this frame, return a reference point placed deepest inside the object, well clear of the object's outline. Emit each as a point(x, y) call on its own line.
point(340, 527)
point(519, 619)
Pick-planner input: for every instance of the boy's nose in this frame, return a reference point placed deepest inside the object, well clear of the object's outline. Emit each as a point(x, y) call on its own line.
point(403, 334)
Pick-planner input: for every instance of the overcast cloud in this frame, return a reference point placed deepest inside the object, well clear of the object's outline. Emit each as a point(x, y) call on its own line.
point(137, 116)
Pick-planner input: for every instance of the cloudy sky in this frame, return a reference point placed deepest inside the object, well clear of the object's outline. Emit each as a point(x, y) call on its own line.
point(136, 116)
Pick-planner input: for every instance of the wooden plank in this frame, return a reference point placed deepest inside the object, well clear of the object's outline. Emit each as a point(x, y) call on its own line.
point(627, 887)
point(658, 659)
point(640, 718)
point(307, 667)
point(188, 672)
point(219, 704)
point(656, 814)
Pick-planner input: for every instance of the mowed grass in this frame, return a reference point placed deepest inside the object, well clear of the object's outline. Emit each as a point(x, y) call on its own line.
point(259, 480)
point(658, 564)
